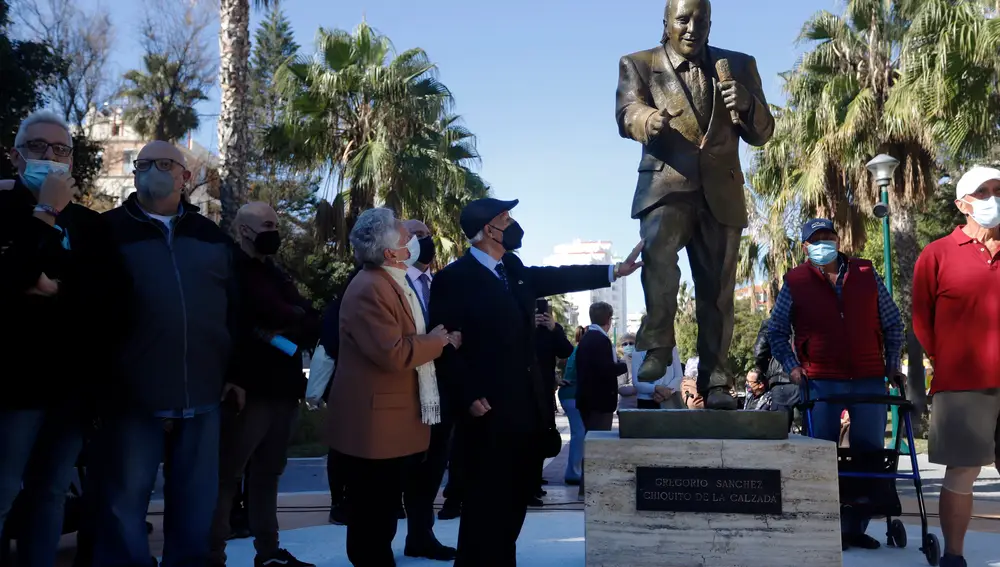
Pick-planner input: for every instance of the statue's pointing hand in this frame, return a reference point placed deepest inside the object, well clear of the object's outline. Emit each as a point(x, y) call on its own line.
point(735, 95)
point(656, 123)
point(630, 265)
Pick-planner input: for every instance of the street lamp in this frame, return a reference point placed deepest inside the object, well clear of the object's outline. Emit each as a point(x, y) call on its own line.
point(882, 167)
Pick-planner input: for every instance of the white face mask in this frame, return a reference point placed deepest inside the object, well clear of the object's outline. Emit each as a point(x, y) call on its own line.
point(413, 246)
point(986, 212)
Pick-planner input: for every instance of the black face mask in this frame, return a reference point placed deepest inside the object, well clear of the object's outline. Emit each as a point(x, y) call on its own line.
point(426, 251)
point(512, 236)
point(267, 243)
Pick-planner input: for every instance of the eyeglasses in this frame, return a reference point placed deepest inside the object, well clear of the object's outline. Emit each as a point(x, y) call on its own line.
point(162, 164)
point(39, 147)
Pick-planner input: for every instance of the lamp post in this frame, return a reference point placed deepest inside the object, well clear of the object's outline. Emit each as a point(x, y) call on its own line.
point(882, 167)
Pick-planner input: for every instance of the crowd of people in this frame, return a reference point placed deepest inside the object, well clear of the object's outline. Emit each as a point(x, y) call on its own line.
point(147, 336)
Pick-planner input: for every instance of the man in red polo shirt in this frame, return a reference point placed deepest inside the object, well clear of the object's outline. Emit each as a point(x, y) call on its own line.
point(956, 316)
point(848, 335)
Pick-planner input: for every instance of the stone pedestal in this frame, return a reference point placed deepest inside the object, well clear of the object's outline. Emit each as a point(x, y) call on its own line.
point(711, 502)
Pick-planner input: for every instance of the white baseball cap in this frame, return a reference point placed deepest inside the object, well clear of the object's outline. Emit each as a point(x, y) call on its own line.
point(974, 179)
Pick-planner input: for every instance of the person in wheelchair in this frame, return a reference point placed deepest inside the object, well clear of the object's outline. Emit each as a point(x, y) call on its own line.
point(848, 336)
point(784, 395)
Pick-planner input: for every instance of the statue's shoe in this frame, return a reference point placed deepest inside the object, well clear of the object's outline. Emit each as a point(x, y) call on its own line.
point(655, 365)
point(719, 399)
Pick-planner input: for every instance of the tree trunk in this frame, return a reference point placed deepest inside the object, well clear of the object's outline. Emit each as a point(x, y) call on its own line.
point(903, 225)
point(234, 59)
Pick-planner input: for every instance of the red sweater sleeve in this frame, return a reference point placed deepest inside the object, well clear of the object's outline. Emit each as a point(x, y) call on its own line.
point(924, 296)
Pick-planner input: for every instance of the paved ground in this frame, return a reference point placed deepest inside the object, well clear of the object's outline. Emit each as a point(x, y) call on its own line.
point(554, 533)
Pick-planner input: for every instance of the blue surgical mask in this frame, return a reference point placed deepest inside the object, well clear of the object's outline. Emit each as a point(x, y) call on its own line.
point(822, 253)
point(154, 184)
point(628, 350)
point(36, 170)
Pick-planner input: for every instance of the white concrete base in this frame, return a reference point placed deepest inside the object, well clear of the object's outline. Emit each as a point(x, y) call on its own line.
point(555, 539)
point(805, 532)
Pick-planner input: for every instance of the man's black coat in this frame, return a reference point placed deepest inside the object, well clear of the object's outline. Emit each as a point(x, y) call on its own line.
point(497, 359)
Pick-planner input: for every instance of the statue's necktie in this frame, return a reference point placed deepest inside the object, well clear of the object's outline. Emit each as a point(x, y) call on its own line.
point(701, 94)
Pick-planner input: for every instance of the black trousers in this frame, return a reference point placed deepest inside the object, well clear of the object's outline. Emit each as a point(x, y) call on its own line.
point(501, 475)
point(336, 478)
point(454, 490)
point(375, 487)
point(422, 487)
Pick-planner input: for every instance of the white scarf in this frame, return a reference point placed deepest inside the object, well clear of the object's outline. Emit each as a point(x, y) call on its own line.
point(430, 400)
point(614, 353)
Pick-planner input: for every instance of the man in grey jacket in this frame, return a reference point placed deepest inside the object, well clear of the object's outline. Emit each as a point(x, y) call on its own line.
point(172, 360)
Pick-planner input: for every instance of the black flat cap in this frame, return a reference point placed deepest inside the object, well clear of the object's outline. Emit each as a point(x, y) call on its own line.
point(480, 212)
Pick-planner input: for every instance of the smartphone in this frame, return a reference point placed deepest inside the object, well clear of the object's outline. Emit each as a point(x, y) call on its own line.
point(541, 306)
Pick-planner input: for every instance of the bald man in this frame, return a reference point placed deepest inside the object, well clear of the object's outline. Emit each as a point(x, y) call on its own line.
point(257, 435)
point(173, 352)
point(424, 482)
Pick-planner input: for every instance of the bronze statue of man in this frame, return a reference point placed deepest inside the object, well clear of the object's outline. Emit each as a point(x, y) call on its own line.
point(689, 104)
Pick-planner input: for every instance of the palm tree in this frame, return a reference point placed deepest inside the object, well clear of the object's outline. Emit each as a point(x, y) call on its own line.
point(766, 250)
point(234, 79)
point(952, 68)
point(377, 121)
point(161, 99)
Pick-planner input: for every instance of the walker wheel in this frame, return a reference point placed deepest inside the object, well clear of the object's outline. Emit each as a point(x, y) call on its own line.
point(897, 534)
point(932, 549)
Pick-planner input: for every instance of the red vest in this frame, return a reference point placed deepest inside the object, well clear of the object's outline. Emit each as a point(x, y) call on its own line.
point(837, 337)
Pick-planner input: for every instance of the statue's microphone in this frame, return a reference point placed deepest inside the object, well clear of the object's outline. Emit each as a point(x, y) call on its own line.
point(725, 74)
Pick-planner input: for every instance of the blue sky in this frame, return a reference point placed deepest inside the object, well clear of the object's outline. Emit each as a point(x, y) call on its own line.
point(535, 80)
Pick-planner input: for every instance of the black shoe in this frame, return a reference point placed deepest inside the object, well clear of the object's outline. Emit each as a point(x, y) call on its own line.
point(338, 516)
point(535, 503)
point(280, 558)
point(949, 560)
point(655, 365)
point(572, 482)
point(450, 511)
point(863, 541)
point(541, 494)
point(434, 550)
point(238, 533)
point(149, 527)
point(544, 482)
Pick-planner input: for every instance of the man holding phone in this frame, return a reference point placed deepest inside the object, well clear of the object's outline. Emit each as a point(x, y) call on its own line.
point(551, 344)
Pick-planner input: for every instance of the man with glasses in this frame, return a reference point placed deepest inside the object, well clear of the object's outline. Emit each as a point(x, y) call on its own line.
point(52, 251)
point(173, 356)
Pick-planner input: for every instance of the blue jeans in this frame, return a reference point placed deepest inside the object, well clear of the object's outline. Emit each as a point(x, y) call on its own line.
point(867, 426)
point(132, 449)
point(41, 448)
point(577, 433)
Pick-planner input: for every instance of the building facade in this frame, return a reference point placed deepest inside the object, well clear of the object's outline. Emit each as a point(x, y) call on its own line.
point(593, 252)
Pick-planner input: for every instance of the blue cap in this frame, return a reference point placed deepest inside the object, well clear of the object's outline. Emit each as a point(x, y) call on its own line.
point(480, 212)
point(813, 226)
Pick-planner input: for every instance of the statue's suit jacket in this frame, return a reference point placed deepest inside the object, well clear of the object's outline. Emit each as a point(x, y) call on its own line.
point(683, 157)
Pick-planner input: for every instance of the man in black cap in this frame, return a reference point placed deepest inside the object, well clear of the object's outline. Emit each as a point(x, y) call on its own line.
point(494, 385)
point(848, 336)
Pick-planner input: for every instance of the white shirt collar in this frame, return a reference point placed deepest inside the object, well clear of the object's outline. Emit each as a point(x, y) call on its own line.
point(414, 274)
point(485, 259)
